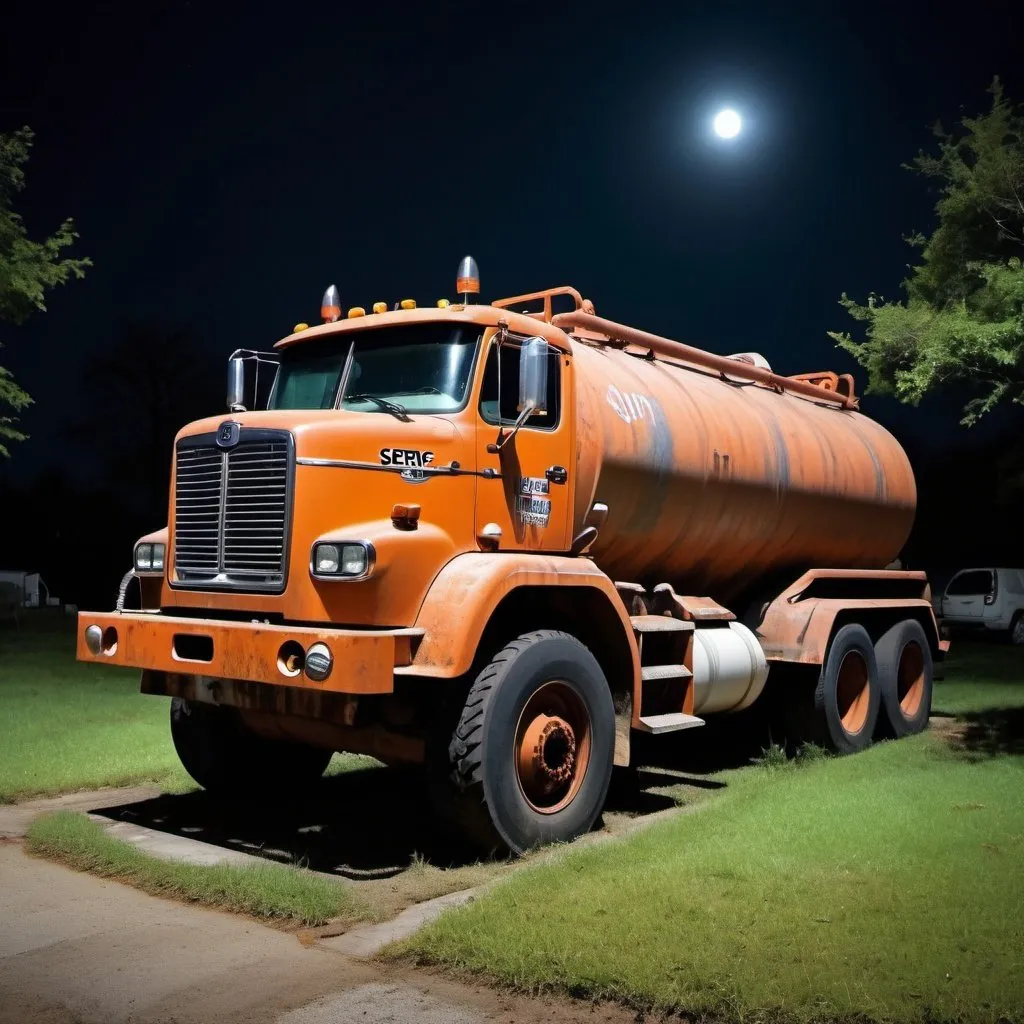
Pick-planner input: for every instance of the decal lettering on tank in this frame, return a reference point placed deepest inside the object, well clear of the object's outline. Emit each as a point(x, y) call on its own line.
point(630, 406)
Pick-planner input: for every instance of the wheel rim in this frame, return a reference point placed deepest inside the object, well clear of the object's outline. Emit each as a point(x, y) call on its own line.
point(552, 750)
point(910, 680)
point(853, 692)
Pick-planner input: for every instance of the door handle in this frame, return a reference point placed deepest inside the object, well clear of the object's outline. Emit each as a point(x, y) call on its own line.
point(557, 474)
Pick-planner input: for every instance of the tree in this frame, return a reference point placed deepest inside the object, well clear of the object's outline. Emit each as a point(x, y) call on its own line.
point(963, 319)
point(28, 269)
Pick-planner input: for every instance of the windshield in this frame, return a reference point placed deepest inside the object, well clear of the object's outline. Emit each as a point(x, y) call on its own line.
point(417, 367)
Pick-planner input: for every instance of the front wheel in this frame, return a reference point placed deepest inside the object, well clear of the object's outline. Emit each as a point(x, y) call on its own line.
point(224, 757)
point(530, 759)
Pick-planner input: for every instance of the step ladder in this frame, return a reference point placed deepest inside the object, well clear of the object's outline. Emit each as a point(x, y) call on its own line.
point(666, 672)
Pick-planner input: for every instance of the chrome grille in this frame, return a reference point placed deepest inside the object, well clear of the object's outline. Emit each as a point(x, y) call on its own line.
point(231, 511)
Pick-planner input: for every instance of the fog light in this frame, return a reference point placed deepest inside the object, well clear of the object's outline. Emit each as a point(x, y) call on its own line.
point(94, 639)
point(319, 662)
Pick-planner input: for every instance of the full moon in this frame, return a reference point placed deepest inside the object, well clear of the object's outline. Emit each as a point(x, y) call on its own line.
point(727, 124)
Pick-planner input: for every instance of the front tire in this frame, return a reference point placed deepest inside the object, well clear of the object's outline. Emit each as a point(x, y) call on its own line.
point(848, 692)
point(225, 758)
point(530, 759)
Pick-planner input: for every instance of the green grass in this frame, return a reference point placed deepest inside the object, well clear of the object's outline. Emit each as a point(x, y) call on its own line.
point(979, 676)
point(887, 886)
point(70, 726)
point(262, 890)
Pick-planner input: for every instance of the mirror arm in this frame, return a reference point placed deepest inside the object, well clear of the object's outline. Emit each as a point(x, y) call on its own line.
point(503, 438)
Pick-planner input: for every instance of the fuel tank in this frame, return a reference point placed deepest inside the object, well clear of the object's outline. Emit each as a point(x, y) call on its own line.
point(719, 485)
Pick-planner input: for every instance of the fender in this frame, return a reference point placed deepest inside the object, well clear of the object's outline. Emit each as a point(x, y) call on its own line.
point(468, 590)
point(796, 626)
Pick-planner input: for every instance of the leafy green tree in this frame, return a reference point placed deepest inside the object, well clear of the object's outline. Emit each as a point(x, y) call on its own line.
point(28, 269)
point(963, 318)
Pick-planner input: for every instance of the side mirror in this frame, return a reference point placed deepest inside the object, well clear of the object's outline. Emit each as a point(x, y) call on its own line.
point(533, 376)
point(236, 384)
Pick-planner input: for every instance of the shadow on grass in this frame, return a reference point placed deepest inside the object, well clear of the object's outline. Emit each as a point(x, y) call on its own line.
point(991, 733)
point(362, 824)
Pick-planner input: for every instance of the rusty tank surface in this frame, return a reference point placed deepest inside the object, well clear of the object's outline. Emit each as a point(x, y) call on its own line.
point(714, 482)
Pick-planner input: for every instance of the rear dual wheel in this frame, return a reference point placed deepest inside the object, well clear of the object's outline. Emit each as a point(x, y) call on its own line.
point(906, 670)
point(849, 693)
point(867, 688)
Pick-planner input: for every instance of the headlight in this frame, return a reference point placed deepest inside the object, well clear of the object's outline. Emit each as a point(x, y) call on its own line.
point(326, 559)
point(342, 561)
point(149, 558)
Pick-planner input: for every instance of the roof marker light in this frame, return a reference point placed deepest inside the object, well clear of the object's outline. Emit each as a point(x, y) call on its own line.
point(408, 303)
point(380, 307)
point(356, 311)
point(443, 303)
point(467, 281)
point(330, 305)
point(300, 327)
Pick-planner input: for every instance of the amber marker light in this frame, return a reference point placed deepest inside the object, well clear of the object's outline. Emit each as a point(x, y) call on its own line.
point(467, 281)
point(330, 306)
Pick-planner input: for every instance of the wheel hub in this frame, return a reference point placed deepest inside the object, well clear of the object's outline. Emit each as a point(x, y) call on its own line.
point(547, 755)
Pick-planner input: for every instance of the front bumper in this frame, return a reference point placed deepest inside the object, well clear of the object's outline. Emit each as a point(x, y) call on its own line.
point(364, 659)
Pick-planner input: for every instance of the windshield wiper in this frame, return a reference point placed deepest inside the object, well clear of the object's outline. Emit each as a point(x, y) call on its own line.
point(396, 410)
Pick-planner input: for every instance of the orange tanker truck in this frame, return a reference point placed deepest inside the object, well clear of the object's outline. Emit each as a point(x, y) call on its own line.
point(502, 541)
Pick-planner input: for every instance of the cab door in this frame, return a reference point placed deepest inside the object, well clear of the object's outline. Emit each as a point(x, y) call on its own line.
point(526, 488)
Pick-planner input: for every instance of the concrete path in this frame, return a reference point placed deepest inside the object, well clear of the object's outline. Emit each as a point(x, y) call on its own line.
point(74, 948)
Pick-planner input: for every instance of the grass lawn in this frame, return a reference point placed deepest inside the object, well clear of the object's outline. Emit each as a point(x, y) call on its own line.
point(886, 886)
point(263, 890)
point(72, 726)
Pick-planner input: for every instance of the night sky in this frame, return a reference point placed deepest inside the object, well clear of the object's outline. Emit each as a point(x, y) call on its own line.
point(225, 165)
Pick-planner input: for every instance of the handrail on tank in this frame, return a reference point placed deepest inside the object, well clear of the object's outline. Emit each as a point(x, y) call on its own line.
point(722, 364)
point(547, 294)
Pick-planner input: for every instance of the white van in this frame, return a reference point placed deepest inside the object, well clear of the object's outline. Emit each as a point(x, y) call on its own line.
point(986, 599)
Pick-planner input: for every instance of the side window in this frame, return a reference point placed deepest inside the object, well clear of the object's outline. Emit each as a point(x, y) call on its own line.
point(509, 398)
point(971, 583)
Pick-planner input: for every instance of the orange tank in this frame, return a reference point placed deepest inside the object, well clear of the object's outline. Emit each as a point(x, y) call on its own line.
point(719, 484)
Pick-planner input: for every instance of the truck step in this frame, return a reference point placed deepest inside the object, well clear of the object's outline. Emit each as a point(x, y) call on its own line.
point(659, 624)
point(669, 723)
point(649, 672)
point(701, 609)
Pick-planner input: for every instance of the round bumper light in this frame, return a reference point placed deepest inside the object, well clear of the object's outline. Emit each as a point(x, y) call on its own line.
point(94, 639)
point(319, 662)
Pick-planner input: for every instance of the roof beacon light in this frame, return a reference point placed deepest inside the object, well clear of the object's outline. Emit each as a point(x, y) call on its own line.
point(330, 306)
point(468, 280)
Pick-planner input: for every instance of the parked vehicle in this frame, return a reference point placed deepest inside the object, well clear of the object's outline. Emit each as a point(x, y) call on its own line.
point(991, 599)
point(501, 543)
